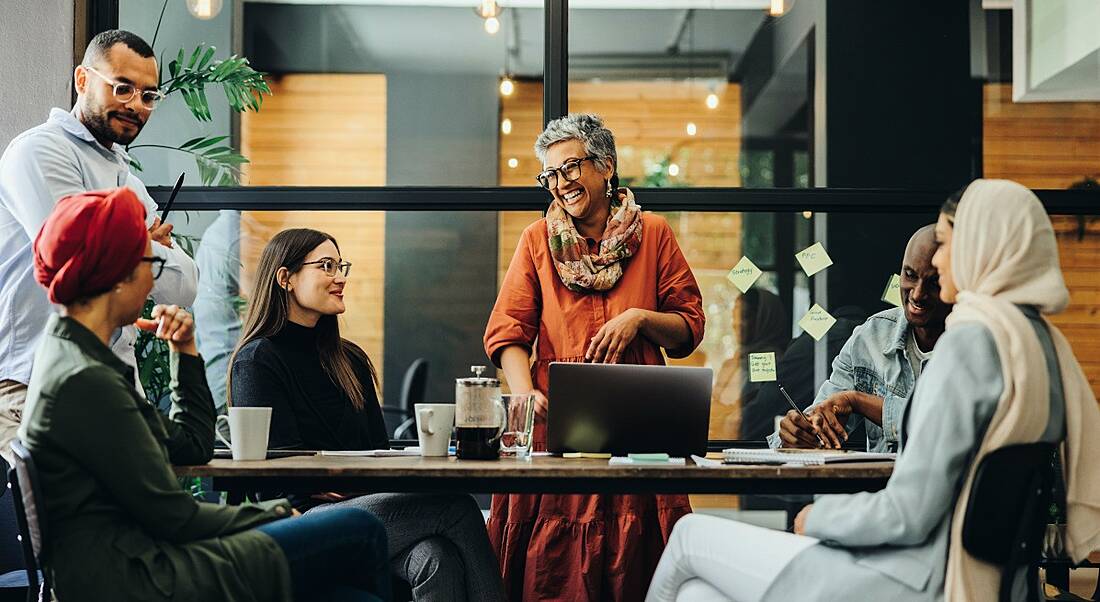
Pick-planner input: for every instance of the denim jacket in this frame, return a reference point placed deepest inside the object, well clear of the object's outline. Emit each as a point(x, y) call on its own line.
point(875, 361)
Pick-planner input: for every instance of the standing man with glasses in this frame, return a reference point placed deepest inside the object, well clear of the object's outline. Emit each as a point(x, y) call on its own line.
point(73, 152)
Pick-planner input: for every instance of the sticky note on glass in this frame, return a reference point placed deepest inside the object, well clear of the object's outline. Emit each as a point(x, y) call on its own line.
point(892, 294)
point(813, 259)
point(761, 367)
point(744, 274)
point(817, 322)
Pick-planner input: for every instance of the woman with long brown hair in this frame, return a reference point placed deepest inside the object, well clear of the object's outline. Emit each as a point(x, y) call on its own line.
point(321, 388)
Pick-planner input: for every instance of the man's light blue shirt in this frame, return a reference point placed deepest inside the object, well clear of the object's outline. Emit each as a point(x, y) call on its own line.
point(874, 360)
point(41, 166)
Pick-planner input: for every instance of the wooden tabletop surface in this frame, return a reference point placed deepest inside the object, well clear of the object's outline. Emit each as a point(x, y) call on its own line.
point(541, 473)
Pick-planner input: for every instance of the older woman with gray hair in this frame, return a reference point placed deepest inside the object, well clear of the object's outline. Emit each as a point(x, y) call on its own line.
point(596, 280)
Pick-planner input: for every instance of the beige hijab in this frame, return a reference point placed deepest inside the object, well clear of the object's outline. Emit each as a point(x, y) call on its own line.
point(1004, 253)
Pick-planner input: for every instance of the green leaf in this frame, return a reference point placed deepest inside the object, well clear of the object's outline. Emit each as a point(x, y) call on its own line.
point(194, 57)
point(209, 142)
point(136, 164)
point(190, 142)
point(209, 54)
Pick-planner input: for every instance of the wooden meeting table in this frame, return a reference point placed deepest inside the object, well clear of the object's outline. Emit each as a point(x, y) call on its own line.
point(540, 474)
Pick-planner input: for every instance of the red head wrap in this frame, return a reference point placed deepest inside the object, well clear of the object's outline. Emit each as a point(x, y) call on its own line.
point(91, 242)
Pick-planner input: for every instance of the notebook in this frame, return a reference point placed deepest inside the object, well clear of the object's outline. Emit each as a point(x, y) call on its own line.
point(804, 457)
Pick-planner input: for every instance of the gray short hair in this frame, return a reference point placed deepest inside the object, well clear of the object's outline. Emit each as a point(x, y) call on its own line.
point(586, 127)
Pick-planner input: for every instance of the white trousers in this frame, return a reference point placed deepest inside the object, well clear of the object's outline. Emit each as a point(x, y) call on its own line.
point(714, 559)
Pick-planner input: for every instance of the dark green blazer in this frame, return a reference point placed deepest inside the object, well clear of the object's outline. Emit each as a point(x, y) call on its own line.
point(120, 525)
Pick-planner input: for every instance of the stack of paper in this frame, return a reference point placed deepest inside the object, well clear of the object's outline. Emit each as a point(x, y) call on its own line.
point(804, 457)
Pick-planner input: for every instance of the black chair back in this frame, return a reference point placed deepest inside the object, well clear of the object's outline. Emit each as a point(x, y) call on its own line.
point(30, 514)
point(1007, 513)
point(414, 385)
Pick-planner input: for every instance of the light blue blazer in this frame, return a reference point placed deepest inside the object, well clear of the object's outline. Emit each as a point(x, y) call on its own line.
point(892, 544)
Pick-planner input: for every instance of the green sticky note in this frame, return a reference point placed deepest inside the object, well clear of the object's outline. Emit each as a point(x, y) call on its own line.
point(744, 274)
point(813, 259)
point(648, 457)
point(762, 367)
point(892, 294)
point(817, 322)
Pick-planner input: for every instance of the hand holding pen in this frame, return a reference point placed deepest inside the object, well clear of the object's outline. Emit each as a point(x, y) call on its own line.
point(796, 429)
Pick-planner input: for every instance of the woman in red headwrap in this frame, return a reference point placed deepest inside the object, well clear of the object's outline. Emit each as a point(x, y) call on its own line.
point(120, 526)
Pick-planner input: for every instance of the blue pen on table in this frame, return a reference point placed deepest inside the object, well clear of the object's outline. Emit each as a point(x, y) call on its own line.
point(803, 412)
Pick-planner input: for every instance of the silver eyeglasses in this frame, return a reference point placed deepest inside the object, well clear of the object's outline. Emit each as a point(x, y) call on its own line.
point(331, 267)
point(125, 92)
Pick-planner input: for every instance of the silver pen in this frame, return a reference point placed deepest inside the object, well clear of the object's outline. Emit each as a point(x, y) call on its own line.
point(803, 412)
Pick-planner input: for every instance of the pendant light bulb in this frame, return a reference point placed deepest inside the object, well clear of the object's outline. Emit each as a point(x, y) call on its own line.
point(712, 101)
point(204, 9)
point(507, 86)
point(691, 129)
point(492, 25)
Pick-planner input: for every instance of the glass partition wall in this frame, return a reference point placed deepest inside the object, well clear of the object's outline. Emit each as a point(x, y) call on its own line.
point(405, 128)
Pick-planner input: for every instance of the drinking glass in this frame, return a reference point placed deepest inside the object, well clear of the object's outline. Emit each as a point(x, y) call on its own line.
point(519, 424)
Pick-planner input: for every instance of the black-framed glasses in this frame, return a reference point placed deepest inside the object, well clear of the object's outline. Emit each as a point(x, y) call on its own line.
point(125, 92)
point(331, 267)
point(157, 267)
point(570, 170)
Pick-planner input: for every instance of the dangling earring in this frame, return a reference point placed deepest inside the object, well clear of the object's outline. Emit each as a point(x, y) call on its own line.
point(610, 192)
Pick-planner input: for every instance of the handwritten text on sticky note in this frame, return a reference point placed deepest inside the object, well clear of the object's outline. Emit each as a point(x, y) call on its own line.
point(744, 274)
point(892, 294)
point(817, 322)
point(761, 367)
point(813, 259)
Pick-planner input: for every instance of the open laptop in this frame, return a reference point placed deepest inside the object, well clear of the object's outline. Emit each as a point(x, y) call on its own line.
point(621, 409)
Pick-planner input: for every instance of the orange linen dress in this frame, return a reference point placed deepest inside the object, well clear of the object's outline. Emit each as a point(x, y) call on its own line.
point(578, 548)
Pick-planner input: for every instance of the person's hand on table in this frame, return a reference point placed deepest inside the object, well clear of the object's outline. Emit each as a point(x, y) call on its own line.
point(173, 324)
point(612, 339)
point(800, 520)
point(829, 416)
point(161, 233)
point(294, 512)
point(795, 430)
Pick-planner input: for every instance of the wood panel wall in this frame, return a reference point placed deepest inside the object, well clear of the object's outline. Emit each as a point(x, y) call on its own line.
point(324, 130)
point(1052, 145)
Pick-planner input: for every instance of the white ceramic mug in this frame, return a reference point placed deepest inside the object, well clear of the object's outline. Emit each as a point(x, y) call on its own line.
point(248, 431)
point(434, 422)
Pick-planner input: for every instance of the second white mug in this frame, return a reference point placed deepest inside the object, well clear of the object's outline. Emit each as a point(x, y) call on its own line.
point(434, 422)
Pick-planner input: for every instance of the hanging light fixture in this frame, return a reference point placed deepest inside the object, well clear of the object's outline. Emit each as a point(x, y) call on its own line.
point(506, 126)
point(712, 100)
point(490, 11)
point(691, 129)
point(204, 9)
point(673, 169)
point(507, 86)
point(513, 163)
point(776, 8)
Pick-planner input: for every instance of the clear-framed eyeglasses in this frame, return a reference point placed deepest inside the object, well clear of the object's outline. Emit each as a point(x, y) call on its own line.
point(570, 170)
point(125, 92)
point(331, 267)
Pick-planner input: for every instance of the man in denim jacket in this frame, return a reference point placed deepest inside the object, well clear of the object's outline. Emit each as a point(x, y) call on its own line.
point(878, 366)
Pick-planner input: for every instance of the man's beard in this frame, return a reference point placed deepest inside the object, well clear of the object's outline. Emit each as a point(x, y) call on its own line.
point(99, 124)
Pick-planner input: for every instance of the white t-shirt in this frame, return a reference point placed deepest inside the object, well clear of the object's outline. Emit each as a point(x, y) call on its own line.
point(917, 358)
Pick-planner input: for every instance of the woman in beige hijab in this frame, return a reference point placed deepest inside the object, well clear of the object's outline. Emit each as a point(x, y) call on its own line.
point(1002, 375)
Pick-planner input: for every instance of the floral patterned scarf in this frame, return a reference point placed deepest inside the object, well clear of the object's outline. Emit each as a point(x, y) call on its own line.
point(582, 271)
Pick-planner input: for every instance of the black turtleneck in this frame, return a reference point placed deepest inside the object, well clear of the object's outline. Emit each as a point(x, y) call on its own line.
point(309, 410)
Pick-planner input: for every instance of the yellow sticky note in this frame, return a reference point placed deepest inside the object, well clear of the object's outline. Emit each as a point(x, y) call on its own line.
point(892, 294)
point(596, 455)
point(813, 259)
point(817, 322)
point(762, 367)
point(744, 274)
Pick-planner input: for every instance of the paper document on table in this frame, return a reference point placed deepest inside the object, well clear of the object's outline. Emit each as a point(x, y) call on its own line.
point(621, 460)
point(804, 457)
point(706, 462)
point(372, 453)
